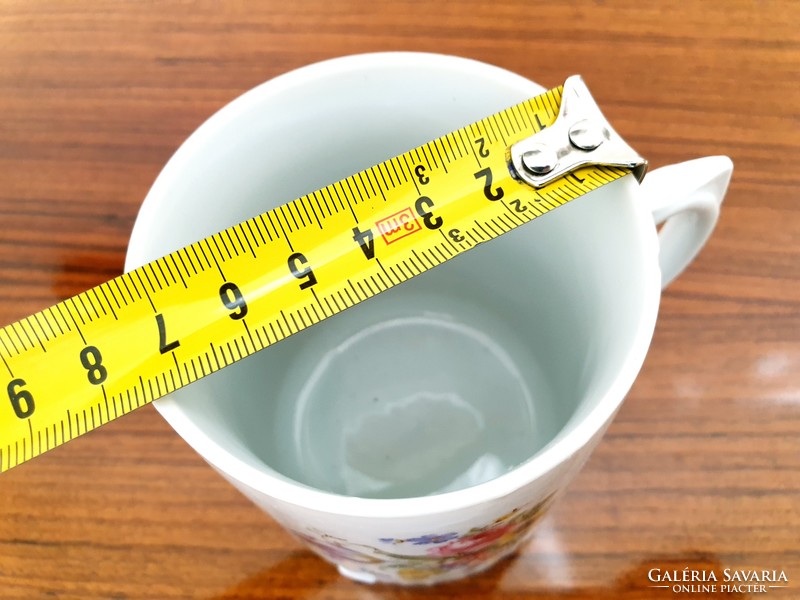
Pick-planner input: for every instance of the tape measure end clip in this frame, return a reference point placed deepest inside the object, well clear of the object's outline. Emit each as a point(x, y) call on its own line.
point(580, 136)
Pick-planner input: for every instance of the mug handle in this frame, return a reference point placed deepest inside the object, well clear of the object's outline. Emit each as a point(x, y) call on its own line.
point(686, 197)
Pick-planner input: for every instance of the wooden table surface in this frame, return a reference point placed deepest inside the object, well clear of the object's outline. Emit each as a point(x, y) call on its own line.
point(701, 468)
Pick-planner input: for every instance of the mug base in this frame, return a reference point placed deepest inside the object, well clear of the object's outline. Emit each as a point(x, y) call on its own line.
point(359, 576)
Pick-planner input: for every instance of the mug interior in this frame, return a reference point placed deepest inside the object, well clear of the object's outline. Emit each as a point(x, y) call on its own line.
point(453, 379)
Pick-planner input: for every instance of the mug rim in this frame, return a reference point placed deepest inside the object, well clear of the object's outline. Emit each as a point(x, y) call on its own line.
point(293, 492)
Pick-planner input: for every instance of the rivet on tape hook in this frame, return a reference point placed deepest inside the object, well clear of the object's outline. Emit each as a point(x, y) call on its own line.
point(580, 136)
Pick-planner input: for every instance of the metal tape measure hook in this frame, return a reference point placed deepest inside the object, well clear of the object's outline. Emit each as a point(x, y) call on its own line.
point(580, 136)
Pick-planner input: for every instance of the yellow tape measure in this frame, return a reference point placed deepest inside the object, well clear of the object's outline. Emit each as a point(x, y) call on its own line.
point(101, 354)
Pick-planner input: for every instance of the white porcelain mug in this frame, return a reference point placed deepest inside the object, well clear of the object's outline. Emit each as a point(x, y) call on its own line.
point(417, 437)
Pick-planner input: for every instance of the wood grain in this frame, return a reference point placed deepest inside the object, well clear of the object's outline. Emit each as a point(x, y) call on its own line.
point(702, 465)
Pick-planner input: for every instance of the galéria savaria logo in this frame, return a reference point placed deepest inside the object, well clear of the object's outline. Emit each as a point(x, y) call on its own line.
point(732, 581)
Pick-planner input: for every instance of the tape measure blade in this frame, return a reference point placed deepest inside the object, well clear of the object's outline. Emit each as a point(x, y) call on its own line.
point(103, 353)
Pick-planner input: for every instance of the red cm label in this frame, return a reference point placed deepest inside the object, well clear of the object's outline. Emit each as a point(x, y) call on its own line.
point(398, 225)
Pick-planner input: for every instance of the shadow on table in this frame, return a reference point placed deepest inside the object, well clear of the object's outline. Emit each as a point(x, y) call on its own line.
point(300, 576)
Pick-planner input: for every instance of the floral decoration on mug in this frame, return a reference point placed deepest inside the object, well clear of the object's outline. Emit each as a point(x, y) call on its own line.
point(443, 553)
